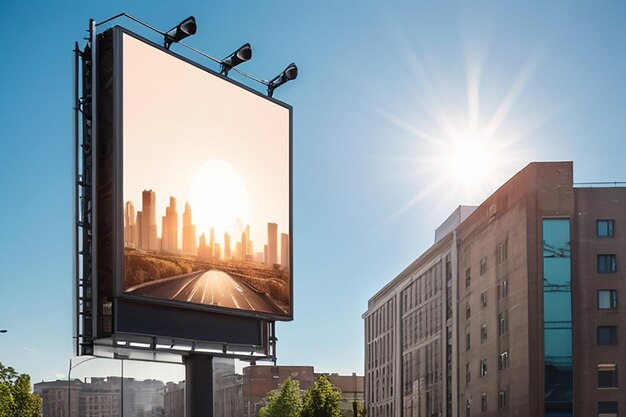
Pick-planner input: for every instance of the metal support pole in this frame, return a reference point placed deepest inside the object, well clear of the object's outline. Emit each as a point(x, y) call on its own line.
point(198, 386)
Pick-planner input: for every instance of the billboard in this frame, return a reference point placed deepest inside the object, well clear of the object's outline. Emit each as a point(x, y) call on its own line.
point(206, 187)
point(193, 202)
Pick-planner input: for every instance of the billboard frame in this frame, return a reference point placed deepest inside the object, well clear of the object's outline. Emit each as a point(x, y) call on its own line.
point(118, 33)
point(88, 336)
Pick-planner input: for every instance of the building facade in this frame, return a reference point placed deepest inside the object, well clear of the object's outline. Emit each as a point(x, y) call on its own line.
point(512, 312)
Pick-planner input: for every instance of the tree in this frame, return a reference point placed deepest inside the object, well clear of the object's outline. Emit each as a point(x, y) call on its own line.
point(285, 403)
point(322, 399)
point(16, 400)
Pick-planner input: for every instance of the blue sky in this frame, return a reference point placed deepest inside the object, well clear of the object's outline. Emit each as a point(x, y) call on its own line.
point(388, 93)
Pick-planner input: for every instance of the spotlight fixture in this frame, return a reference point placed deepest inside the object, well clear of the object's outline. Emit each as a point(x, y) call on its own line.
point(184, 29)
point(290, 73)
point(241, 55)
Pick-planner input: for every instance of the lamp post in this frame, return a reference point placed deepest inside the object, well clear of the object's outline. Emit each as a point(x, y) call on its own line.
point(69, 383)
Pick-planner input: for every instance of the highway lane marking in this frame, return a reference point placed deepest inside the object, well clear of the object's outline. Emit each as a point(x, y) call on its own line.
point(206, 284)
point(175, 296)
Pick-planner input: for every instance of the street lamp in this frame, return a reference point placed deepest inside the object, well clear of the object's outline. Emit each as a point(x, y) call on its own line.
point(69, 383)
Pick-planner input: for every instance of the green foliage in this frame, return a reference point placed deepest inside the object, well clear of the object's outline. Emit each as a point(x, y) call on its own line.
point(286, 402)
point(16, 400)
point(322, 399)
point(358, 408)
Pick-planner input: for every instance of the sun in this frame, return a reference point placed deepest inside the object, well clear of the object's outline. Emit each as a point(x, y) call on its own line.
point(218, 197)
point(470, 160)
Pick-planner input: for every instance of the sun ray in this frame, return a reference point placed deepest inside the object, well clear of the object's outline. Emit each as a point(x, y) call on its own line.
point(511, 98)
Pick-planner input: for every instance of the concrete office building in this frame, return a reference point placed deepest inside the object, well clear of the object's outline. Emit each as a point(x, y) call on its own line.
point(512, 312)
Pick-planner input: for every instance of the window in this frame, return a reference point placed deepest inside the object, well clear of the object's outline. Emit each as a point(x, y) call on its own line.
point(607, 408)
point(468, 409)
point(483, 299)
point(483, 333)
point(482, 371)
point(502, 399)
point(468, 373)
point(607, 375)
point(504, 361)
point(483, 266)
point(501, 252)
point(483, 402)
point(607, 299)
point(468, 341)
point(503, 325)
point(468, 277)
point(503, 289)
point(607, 335)
point(468, 311)
point(607, 263)
point(604, 228)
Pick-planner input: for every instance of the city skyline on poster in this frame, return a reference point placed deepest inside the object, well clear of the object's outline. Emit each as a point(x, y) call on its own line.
point(206, 187)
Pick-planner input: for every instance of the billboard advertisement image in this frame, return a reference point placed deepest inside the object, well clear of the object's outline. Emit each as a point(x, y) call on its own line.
point(206, 187)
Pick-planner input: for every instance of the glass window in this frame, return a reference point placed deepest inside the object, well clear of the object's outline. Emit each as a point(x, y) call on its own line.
point(607, 299)
point(607, 375)
point(503, 289)
point(468, 311)
point(607, 263)
point(503, 324)
point(483, 266)
point(483, 333)
point(483, 299)
point(468, 373)
point(604, 228)
point(607, 335)
point(468, 408)
point(607, 408)
point(501, 252)
point(483, 402)
point(502, 400)
point(468, 277)
point(483, 367)
point(504, 361)
point(468, 341)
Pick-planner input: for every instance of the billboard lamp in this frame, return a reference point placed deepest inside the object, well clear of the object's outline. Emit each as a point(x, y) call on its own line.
point(290, 73)
point(183, 30)
point(241, 55)
point(188, 27)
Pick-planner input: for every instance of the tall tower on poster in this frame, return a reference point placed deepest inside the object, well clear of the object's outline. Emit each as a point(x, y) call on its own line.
point(272, 243)
point(149, 226)
point(284, 250)
point(170, 228)
point(189, 232)
point(130, 227)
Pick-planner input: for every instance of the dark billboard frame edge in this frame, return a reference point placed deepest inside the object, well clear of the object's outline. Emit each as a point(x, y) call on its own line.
point(118, 140)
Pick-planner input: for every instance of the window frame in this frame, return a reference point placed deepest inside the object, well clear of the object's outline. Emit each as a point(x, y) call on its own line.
point(604, 380)
point(482, 369)
point(483, 333)
point(613, 340)
point(610, 228)
point(503, 323)
point(483, 266)
point(612, 299)
point(606, 263)
point(503, 361)
point(483, 299)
